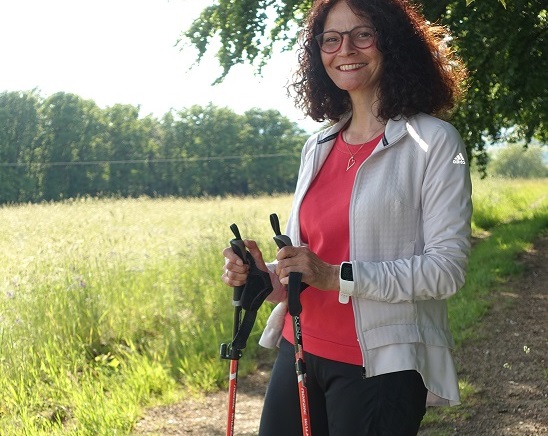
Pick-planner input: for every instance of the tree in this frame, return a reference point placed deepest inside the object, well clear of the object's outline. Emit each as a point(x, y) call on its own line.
point(515, 161)
point(64, 146)
point(507, 97)
point(173, 154)
point(272, 147)
point(503, 44)
point(211, 145)
point(69, 128)
point(127, 140)
point(242, 26)
point(153, 133)
point(19, 126)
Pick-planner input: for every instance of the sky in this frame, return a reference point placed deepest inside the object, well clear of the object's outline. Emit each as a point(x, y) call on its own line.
point(124, 51)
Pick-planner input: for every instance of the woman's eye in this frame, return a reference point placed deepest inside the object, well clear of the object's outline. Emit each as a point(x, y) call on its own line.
point(364, 35)
point(331, 39)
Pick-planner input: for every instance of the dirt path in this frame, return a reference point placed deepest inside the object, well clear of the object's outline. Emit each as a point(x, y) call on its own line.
point(507, 366)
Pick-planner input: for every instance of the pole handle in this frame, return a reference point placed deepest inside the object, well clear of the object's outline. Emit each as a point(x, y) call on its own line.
point(294, 293)
point(280, 240)
point(238, 246)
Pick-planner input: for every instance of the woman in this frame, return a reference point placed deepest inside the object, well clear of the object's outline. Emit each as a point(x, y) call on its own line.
point(380, 225)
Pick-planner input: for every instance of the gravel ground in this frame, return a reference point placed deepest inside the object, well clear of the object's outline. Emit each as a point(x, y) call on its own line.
point(506, 364)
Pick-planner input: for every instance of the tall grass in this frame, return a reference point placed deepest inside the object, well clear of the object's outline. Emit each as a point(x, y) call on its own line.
point(498, 200)
point(109, 305)
point(106, 305)
point(508, 215)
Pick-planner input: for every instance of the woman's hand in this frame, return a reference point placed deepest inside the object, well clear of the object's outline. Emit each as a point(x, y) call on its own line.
point(235, 271)
point(316, 272)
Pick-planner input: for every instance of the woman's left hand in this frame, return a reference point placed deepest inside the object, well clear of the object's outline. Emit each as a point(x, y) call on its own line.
point(315, 271)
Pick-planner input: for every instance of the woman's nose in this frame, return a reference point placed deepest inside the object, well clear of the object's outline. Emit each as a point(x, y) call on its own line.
point(346, 46)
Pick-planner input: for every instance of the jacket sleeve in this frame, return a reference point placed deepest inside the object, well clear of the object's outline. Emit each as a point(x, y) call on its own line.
point(439, 271)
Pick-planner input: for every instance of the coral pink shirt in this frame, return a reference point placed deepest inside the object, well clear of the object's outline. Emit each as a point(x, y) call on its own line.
point(328, 326)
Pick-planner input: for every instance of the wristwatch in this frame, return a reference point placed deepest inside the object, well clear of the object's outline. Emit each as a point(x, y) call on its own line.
point(346, 282)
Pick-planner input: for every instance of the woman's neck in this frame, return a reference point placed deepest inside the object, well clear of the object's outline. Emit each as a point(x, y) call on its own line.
point(365, 122)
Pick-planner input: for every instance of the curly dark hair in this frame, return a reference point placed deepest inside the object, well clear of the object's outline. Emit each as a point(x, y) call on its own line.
point(420, 71)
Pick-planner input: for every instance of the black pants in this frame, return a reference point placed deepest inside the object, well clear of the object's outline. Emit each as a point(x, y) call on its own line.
point(341, 401)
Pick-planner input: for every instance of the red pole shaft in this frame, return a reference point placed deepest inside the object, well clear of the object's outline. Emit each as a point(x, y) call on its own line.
point(301, 376)
point(304, 409)
point(232, 384)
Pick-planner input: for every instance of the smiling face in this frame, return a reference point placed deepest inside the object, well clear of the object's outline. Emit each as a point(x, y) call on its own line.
point(353, 69)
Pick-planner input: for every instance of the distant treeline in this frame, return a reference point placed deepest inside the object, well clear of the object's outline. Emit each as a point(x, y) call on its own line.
point(64, 146)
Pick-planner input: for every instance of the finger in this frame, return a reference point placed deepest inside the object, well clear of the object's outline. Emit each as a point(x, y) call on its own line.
point(287, 252)
point(288, 257)
point(256, 253)
point(233, 278)
point(235, 272)
point(282, 271)
point(229, 254)
point(237, 267)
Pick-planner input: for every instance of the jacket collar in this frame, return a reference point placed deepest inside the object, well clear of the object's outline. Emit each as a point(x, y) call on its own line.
point(394, 130)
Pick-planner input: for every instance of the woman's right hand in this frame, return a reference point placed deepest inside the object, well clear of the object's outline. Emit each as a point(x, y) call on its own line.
point(235, 271)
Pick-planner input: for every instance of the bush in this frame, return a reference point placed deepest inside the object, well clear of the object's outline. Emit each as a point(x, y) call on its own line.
point(515, 161)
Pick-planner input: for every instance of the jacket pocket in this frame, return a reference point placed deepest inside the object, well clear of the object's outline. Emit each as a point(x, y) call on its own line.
point(403, 226)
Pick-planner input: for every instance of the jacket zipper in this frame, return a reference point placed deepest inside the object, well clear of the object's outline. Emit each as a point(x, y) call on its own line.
point(355, 305)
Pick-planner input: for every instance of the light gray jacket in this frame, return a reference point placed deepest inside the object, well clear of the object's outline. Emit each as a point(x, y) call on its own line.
point(409, 216)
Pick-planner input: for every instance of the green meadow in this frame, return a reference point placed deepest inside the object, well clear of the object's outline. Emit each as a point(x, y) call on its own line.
point(110, 306)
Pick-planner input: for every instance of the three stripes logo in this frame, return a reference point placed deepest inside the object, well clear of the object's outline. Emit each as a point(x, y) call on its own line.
point(459, 159)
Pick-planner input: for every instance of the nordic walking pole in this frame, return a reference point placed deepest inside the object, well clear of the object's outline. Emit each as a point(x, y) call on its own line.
point(248, 297)
point(295, 308)
point(294, 289)
point(227, 350)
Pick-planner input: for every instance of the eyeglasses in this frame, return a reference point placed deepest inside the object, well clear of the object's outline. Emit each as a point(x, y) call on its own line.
point(360, 37)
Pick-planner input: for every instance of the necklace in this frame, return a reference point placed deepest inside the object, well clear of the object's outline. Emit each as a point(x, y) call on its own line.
point(352, 160)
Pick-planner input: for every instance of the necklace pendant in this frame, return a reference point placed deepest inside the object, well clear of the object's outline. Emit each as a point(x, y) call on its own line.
point(350, 163)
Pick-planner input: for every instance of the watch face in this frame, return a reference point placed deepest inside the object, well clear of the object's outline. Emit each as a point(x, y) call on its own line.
point(346, 272)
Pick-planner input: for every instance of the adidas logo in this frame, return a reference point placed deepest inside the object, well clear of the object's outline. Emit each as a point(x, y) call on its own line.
point(459, 159)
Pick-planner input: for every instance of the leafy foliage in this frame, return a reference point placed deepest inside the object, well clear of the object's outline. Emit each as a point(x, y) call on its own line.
point(504, 47)
point(65, 147)
point(502, 43)
point(19, 123)
point(242, 26)
point(515, 161)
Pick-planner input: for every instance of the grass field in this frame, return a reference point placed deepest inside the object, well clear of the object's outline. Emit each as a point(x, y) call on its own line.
point(109, 305)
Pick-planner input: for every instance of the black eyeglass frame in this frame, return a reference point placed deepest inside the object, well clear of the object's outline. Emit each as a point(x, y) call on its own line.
point(319, 37)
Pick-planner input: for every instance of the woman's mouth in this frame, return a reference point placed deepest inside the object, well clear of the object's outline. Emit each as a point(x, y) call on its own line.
point(350, 67)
